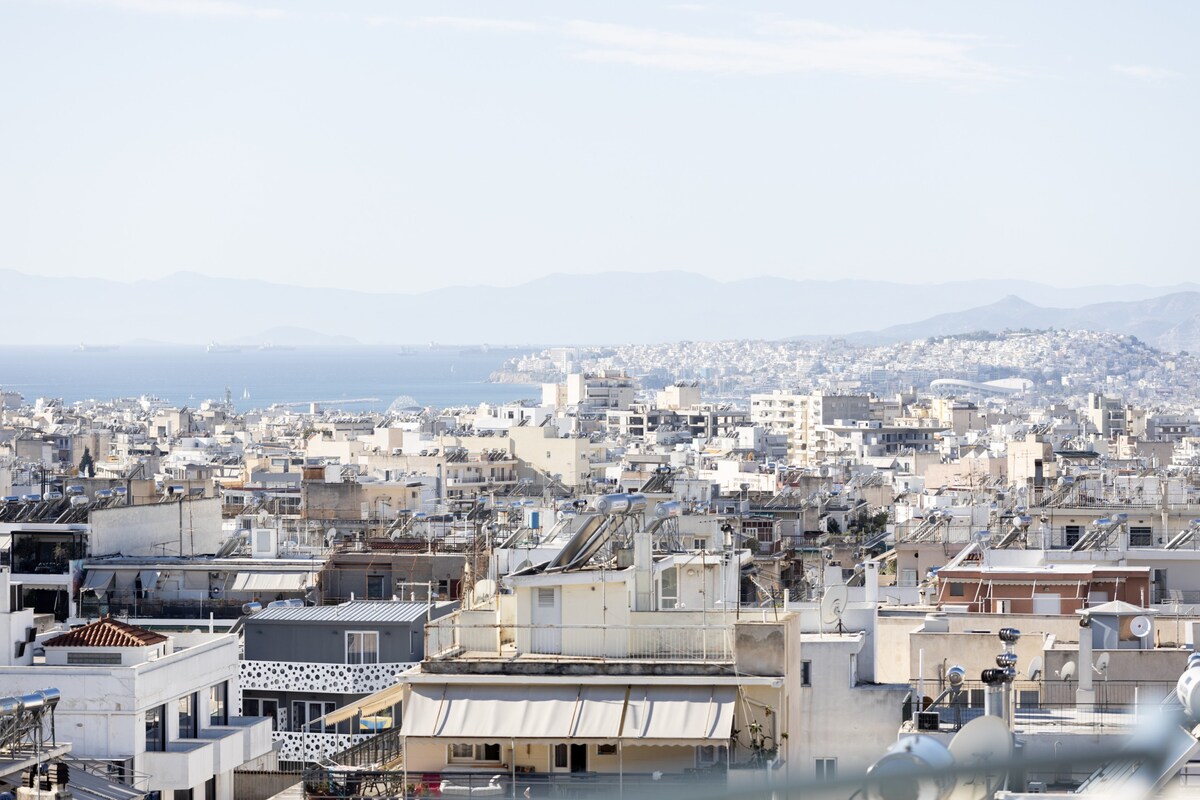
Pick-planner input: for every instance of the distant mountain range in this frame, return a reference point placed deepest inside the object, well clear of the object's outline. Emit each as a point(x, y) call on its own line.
point(604, 308)
point(1170, 322)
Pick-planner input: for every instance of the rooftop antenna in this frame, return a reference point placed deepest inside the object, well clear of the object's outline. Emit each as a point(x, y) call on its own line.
point(833, 606)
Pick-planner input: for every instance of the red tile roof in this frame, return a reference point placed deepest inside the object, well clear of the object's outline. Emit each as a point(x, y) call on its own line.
point(106, 632)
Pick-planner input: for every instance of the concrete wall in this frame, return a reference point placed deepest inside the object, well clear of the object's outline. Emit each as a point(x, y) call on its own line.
point(184, 528)
point(832, 718)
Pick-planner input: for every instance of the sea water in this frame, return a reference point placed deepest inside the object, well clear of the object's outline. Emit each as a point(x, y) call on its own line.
point(257, 378)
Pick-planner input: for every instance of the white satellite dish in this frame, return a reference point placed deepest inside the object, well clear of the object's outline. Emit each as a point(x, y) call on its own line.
point(1101, 667)
point(1141, 626)
point(983, 742)
point(485, 590)
point(1068, 671)
point(1034, 670)
point(833, 605)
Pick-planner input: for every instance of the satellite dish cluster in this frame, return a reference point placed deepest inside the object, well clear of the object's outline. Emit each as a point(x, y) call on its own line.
point(904, 771)
point(920, 767)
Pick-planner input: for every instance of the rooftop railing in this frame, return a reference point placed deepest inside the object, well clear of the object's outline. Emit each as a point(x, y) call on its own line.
point(446, 640)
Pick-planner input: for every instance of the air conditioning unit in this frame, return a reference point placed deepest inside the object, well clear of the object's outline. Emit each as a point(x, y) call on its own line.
point(929, 721)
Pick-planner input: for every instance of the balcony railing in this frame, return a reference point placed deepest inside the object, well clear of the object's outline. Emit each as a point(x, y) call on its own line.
point(312, 747)
point(671, 643)
point(376, 783)
point(303, 676)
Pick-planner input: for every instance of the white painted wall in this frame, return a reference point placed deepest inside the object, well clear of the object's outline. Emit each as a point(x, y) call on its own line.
point(157, 529)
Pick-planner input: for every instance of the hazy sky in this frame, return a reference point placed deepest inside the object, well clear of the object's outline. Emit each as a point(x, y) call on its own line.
point(412, 145)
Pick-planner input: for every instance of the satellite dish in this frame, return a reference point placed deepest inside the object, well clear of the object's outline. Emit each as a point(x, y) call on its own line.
point(485, 590)
point(983, 742)
point(1068, 671)
point(1141, 626)
point(833, 605)
point(1101, 666)
point(1034, 670)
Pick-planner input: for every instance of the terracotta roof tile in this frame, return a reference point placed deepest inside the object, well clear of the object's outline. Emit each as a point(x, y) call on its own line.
point(106, 632)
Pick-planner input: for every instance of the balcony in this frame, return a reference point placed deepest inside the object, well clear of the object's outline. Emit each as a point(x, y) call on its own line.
point(450, 641)
point(228, 748)
point(303, 676)
point(312, 747)
point(356, 782)
point(185, 763)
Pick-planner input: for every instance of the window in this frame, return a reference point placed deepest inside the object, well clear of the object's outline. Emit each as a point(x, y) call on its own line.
point(218, 704)
point(826, 769)
point(376, 585)
point(606, 749)
point(270, 708)
point(182, 794)
point(699, 544)
point(156, 729)
point(668, 596)
point(187, 717)
point(1071, 534)
point(304, 713)
point(545, 597)
point(362, 647)
point(956, 590)
point(1140, 536)
point(709, 754)
point(94, 658)
point(489, 753)
point(210, 788)
point(806, 673)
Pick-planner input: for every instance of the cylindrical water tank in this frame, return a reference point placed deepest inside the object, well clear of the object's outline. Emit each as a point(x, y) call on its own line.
point(669, 508)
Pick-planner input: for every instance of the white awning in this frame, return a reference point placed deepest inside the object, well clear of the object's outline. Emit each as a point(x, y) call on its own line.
point(149, 579)
point(98, 580)
point(5, 540)
point(562, 712)
point(368, 705)
point(675, 713)
point(272, 581)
